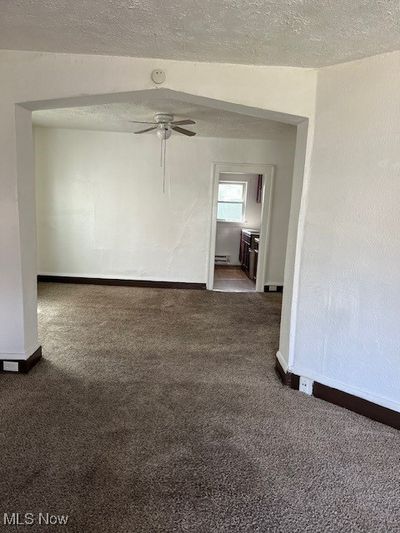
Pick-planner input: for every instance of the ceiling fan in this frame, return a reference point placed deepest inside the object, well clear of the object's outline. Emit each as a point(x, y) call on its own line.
point(165, 124)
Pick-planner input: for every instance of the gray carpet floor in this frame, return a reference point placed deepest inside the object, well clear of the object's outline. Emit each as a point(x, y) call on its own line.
point(159, 410)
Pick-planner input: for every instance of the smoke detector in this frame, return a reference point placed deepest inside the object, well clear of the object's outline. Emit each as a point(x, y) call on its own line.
point(158, 76)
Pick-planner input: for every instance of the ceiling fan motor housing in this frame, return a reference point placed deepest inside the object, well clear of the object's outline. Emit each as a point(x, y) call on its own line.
point(163, 118)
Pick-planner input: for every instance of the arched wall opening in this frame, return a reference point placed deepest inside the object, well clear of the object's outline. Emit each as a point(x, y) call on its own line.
point(288, 313)
point(18, 309)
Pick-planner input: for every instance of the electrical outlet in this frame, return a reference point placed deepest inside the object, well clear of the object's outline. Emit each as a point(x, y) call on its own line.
point(10, 366)
point(306, 385)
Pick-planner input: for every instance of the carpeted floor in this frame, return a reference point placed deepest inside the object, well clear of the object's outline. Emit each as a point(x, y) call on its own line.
point(159, 410)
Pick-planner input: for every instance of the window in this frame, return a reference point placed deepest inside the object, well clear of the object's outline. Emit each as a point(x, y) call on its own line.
point(231, 201)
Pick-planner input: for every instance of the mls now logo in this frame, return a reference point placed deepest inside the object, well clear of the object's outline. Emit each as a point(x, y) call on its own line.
point(28, 519)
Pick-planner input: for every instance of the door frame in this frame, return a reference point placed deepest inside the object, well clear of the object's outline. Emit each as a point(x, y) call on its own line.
point(267, 172)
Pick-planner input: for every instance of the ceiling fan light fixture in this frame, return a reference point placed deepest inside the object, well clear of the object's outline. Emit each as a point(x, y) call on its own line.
point(164, 132)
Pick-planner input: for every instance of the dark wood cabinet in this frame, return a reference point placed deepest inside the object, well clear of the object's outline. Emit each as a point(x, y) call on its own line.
point(248, 247)
point(256, 242)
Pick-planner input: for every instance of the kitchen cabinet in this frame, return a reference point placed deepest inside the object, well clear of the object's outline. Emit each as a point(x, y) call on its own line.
point(248, 252)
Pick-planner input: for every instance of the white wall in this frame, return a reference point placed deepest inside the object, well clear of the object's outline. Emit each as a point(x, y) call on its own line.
point(295, 236)
point(348, 326)
point(228, 233)
point(102, 213)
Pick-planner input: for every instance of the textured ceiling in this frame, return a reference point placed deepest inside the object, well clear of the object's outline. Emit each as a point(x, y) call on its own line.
point(115, 117)
point(309, 33)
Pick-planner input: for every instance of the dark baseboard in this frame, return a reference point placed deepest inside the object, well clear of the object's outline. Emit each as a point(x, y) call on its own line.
point(273, 288)
point(343, 399)
point(122, 282)
point(357, 404)
point(21, 366)
point(227, 265)
point(288, 378)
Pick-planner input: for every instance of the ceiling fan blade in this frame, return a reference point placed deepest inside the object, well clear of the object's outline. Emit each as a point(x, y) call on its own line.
point(183, 131)
point(147, 129)
point(142, 122)
point(185, 122)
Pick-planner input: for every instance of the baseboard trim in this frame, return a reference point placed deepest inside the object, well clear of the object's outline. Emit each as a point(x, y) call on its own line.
point(358, 405)
point(288, 378)
point(21, 366)
point(273, 288)
point(227, 265)
point(121, 282)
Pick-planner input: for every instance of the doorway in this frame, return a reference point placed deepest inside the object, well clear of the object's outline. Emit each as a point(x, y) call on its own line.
point(239, 227)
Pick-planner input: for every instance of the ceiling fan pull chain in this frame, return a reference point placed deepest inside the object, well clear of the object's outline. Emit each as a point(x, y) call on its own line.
point(165, 158)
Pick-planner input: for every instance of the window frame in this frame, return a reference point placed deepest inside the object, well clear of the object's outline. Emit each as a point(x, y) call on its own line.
point(242, 202)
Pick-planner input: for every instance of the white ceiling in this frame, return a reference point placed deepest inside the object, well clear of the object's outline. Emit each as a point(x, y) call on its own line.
point(309, 33)
point(210, 122)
